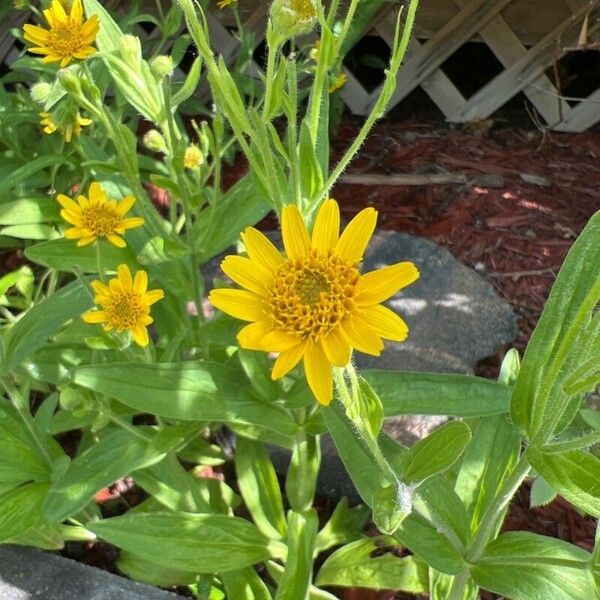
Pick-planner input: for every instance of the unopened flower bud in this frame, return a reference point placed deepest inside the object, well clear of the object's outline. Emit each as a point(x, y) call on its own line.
point(192, 157)
point(162, 66)
point(130, 50)
point(69, 81)
point(154, 141)
point(40, 92)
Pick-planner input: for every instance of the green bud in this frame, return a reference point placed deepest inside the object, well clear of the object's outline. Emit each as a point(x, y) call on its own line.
point(130, 50)
point(40, 92)
point(153, 140)
point(293, 17)
point(69, 81)
point(162, 66)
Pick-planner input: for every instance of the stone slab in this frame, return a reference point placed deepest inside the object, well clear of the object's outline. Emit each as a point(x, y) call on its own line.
point(29, 573)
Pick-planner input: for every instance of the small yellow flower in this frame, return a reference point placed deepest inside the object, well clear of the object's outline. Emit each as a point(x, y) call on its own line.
point(313, 303)
point(125, 303)
point(223, 3)
point(68, 38)
point(192, 157)
point(338, 83)
point(66, 127)
point(97, 217)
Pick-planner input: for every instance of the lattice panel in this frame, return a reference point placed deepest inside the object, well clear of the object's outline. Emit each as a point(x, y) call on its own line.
point(525, 59)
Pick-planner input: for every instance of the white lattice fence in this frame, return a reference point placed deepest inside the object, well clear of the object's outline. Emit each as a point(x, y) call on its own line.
point(525, 58)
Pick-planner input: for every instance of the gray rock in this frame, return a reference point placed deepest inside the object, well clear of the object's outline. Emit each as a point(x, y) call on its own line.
point(27, 573)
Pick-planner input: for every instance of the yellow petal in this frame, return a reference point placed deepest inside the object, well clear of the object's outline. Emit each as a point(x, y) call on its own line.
point(117, 241)
point(140, 282)
point(99, 287)
point(318, 373)
point(76, 12)
point(247, 273)
point(337, 349)
point(377, 286)
point(96, 193)
point(261, 250)
point(94, 316)
point(35, 34)
point(132, 222)
point(293, 230)
point(124, 277)
point(58, 11)
point(153, 296)
point(72, 217)
point(140, 335)
point(327, 227)
point(277, 340)
point(360, 336)
point(385, 322)
point(238, 303)
point(125, 204)
point(85, 241)
point(356, 236)
point(251, 336)
point(67, 203)
point(64, 63)
point(73, 233)
point(287, 360)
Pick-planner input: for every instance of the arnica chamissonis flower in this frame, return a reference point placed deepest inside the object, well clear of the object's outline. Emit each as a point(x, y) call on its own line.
point(313, 303)
point(125, 303)
point(223, 3)
point(97, 217)
point(67, 127)
point(68, 38)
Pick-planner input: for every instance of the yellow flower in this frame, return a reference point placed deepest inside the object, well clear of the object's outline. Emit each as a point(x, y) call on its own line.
point(125, 303)
point(338, 83)
point(97, 217)
point(68, 38)
point(66, 127)
point(192, 157)
point(313, 303)
point(223, 3)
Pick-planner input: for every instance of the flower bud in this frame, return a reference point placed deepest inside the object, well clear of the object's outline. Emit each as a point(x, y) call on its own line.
point(130, 50)
point(162, 66)
point(153, 140)
point(69, 81)
point(293, 17)
point(40, 92)
point(193, 157)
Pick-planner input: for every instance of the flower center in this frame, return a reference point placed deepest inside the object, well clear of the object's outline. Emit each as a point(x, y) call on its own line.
point(125, 310)
point(65, 40)
point(101, 220)
point(304, 10)
point(312, 295)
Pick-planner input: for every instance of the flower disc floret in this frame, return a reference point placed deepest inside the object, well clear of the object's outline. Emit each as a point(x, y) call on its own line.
point(69, 37)
point(125, 303)
point(96, 217)
point(312, 303)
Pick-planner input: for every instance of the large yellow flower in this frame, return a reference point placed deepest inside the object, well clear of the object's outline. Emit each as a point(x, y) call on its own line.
point(125, 303)
point(313, 303)
point(68, 38)
point(97, 217)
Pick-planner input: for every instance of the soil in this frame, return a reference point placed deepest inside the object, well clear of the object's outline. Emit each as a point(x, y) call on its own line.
point(525, 197)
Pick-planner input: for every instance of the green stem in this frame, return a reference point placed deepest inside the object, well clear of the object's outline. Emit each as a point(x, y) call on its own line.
point(99, 262)
point(273, 46)
point(458, 585)
point(129, 427)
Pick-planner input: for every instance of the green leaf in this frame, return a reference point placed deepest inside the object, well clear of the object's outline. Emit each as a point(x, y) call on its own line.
point(257, 367)
point(370, 407)
point(65, 255)
point(141, 569)
point(575, 475)
point(302, 534)
point(486, 463)
point(520, 565)
point(110, 34)
point(436, 452)
point(429, 544)
point(542, 492)
point(25, 211)
point(345, 525)
point(189, 85)
point(43, 321)
point(557, 343)
point(387, 511)
point(276, 572)
point(245, 584)
point(455, 395)
point(373, 564)
point(33, 231)
point(366, 474)
point(191, 391)
point(203, 543)
point(311, 177)
point(32, 166)
point(117, 454)
point(20, 509)
point(259, 487)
